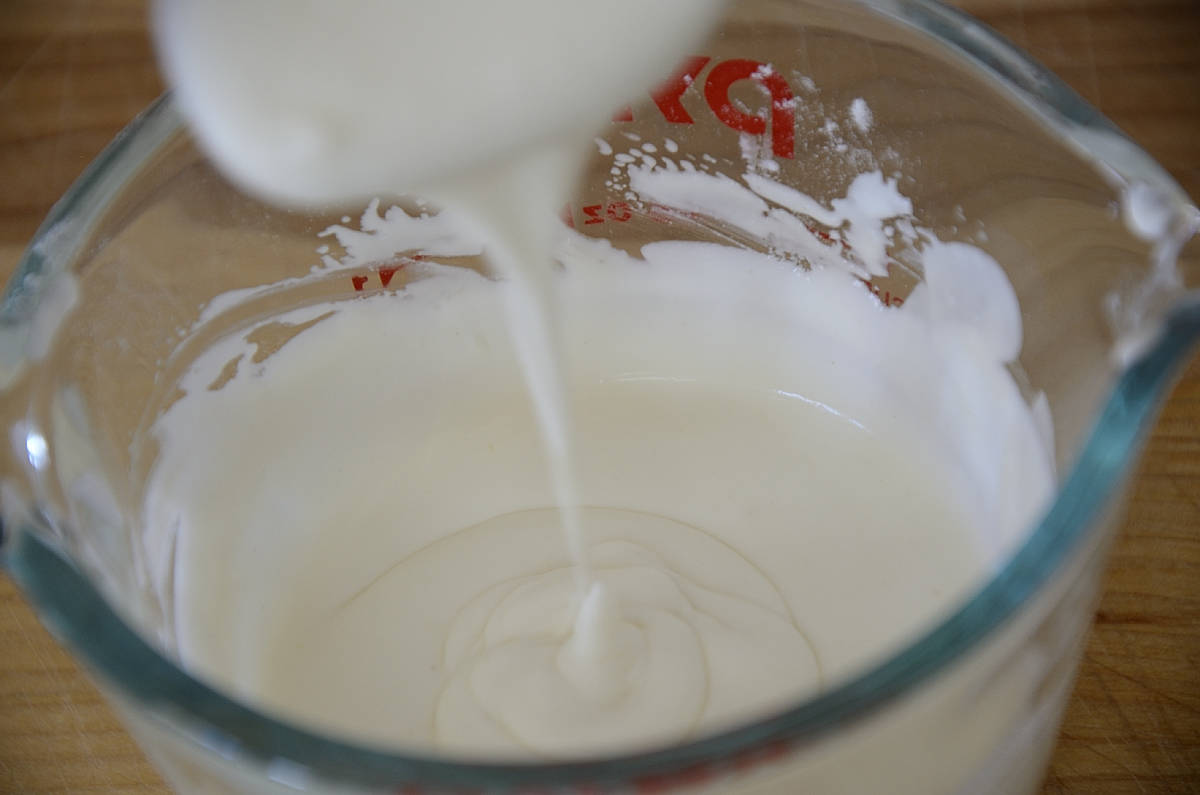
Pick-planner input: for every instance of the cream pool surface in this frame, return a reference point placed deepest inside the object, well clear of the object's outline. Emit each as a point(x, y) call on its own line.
point(780, 481)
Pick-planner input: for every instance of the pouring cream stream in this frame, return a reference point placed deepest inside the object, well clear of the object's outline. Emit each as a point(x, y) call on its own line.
point(483, 107)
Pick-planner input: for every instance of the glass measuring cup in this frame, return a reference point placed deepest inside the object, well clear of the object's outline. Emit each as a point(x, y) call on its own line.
point(611, 213)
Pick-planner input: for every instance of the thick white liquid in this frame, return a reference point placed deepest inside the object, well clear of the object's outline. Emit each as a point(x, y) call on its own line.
point(474, 104)
point(775, 481)
point(364, 529)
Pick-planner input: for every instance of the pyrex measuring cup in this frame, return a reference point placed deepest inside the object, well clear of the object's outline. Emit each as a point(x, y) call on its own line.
point(986, 142)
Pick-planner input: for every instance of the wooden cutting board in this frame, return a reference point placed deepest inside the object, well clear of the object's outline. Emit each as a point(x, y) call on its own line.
point(73, 72)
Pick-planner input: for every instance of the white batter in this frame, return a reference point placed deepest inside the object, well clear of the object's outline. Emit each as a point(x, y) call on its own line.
point(777, 480)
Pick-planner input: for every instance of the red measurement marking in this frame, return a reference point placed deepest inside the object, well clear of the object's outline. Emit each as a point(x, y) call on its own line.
point(386, 274)
point(783, 116)
point(619, 211)
point(667, 96)
point(824, 235)
point(886, 297)
point(665, 214)
point(599, 213)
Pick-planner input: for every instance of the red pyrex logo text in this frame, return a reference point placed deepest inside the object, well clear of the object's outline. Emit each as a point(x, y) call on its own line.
point(781, 119)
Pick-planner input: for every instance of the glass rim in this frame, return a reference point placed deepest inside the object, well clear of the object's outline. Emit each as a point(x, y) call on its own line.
point(75, 611)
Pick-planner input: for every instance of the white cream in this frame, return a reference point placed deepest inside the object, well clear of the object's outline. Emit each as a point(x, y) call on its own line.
point(767, 479)
point(484, 107)
point(324, 102)
point(782, 483)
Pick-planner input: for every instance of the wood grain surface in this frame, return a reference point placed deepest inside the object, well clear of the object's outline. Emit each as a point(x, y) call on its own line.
point(73, 72)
